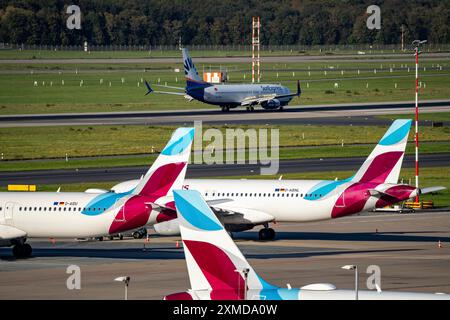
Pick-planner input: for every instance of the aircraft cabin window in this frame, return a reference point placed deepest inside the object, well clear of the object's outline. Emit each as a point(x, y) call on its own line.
point(206, 194)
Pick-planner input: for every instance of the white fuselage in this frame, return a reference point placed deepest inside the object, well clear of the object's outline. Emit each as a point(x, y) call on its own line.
point(65, 214)
point(284, 200)
point(236, 93)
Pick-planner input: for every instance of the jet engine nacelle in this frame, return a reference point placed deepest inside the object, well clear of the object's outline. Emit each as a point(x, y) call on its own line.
point(271, 104)
point(167, 228)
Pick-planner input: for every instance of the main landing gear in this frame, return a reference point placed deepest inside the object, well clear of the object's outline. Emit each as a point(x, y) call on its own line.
point(266, 233)
point(225, 108)
point(251, 109)
point(22, 250)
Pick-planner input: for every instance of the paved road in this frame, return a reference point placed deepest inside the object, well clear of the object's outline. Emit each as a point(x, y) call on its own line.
point(405, 248)
point(292, 114)
point(204, 171)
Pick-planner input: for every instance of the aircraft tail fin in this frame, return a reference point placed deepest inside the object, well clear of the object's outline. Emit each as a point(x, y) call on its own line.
point(193, 80)
point(213, 260)
point(384, 163)
point(169, 169)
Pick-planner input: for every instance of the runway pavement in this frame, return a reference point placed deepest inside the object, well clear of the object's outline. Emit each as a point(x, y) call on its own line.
point(404, 246)
point(319, 114)
point(205, 171)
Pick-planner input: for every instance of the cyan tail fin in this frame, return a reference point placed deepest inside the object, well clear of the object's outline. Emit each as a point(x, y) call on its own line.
point(384, 163)
point(169, 169)
point(213, 260)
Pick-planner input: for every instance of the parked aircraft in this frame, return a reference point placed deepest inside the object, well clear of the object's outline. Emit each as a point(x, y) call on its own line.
point(95, 213)
point(227, 96)
point(219, 271)
point(243, 204)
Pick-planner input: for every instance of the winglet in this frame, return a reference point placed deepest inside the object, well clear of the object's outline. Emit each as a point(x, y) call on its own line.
point(150, 90)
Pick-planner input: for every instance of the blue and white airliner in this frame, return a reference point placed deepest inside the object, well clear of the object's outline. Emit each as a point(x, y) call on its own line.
point(227, 96)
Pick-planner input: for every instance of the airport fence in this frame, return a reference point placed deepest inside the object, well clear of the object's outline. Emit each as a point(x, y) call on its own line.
point(362, 48)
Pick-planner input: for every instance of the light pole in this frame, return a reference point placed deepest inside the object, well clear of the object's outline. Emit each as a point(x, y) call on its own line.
point(245, 272)
point(416, 44)
point(353, 267)
point(126, 281)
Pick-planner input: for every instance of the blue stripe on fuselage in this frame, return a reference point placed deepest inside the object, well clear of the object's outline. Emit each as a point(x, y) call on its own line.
point(103, 201)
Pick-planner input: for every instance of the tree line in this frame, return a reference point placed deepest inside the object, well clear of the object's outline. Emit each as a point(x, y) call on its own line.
point(222, 22)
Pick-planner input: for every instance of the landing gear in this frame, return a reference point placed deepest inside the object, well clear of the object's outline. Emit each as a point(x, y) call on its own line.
point(280, 108)
point(140, 233)
point(225, 108)
point(251, 109)
point(22, 250)
point(266, 234)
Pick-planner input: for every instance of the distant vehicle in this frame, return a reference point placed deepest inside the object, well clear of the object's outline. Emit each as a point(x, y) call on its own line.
point(136, 234)
point(227, 96)
point(218, 270)
point(395, 209)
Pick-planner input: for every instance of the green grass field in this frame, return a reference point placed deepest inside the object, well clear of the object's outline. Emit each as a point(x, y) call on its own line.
point(48, 88)
point(82, 141)
point(218, 51)
point(441, 116)
point(439, 176)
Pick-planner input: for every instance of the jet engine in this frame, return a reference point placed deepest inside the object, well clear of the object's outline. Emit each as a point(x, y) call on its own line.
point(271, 104)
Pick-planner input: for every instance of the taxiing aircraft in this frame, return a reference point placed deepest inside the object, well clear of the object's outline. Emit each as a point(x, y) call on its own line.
point(219, 271)
point(87, 214)
point(268, 96)
point(243, 204)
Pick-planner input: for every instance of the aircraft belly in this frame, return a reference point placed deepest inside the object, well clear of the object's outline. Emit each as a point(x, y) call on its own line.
point(58, 225)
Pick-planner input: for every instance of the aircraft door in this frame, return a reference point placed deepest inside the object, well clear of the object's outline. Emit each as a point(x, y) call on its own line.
point(340, 198)
point(120, 216)
point(8, 212)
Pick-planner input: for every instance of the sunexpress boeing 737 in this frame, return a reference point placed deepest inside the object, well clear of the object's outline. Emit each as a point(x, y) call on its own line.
point(243, 204)
point(268, 96)
point(218, 270)
point(81, 214)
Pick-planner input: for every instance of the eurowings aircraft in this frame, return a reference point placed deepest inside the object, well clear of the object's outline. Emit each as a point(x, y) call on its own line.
point(227, 96)
point(219, 271)
point(243, 204)
point(82, 214)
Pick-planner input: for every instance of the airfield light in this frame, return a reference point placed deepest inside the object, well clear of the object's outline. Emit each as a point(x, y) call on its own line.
point(417, 44)
point(353, 267)
point(126, 281)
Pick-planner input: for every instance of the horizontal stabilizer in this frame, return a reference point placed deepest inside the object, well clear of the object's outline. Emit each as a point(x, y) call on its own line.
point(432, 189)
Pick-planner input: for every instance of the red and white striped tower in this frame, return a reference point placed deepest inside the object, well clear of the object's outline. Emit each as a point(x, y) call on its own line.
point(416, 44)
point(255, 48)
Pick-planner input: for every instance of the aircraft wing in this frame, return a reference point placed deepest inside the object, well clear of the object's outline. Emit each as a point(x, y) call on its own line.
point(239, 215)
point(9, 232)
point(170, 87)
point(258, 100)
point(150, 90)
